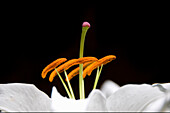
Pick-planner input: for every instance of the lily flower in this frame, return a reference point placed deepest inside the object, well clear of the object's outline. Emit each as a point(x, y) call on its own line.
point(20, 97)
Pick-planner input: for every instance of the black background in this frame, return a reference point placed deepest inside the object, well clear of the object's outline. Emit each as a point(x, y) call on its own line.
point(35, 34)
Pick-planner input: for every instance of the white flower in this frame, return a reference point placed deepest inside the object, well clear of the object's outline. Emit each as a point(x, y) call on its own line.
point(26, 97)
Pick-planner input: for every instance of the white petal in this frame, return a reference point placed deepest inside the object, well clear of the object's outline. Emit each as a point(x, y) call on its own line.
point(166, 86)
point(109, 87)
point(133, 98)
point(162, 104)
point(23, 97)
point(64, 104)
point(55, 94)
point(167, 97)
point(96, 101)
point(156, 105)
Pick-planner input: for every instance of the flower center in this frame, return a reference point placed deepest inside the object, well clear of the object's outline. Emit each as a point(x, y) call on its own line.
point(86, 66)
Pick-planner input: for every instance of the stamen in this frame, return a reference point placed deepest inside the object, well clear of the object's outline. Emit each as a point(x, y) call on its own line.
point(65, 86)
point(51, 66)
point(87, 59)
point(69, 64)
point(97, 76)
point(76, 71)
point(94, 65)
point(69, 85)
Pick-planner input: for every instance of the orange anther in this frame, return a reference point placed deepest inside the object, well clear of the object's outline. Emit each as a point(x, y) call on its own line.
point(76, 71)
point(51, 66)
point(91, 67)
point(69, 64)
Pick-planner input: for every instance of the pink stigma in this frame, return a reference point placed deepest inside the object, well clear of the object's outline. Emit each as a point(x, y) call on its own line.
point(86, 24)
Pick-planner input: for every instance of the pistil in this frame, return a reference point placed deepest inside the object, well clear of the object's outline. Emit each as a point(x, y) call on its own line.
point(85, 27)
